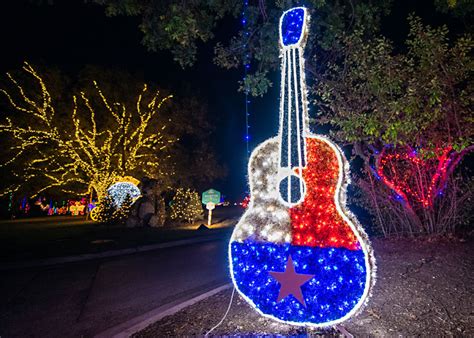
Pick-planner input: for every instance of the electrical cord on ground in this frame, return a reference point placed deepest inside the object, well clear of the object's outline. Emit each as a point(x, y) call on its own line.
point(225, 315)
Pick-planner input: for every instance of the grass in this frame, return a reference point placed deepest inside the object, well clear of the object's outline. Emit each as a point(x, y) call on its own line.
point(65, 235)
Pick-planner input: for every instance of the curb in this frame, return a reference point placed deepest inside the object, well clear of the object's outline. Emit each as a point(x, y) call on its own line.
point(105, 254)
point(139, 323)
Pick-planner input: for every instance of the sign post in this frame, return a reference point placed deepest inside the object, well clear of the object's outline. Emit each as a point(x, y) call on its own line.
point(210, 206)
point(210, 198)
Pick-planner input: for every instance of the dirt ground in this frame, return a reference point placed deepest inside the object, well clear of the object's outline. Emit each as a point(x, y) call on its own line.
point(423, 288)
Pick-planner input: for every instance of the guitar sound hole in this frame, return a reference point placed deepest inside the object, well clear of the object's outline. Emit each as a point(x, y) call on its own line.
point(296, 188)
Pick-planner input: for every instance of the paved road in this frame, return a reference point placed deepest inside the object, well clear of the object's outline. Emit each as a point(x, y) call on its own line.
point(83, 299)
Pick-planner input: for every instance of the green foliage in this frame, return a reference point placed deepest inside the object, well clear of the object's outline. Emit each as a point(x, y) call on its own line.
point(422, 97)
point(367, 90)
point(256, 83)
point(172, 25)
point(180, 26)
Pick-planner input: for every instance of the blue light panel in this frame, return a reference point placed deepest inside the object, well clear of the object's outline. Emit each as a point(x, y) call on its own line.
point(334, 291)
point(292, 26)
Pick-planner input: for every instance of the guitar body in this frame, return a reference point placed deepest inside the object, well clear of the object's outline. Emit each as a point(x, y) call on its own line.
point(318, 234)
point(297, 255)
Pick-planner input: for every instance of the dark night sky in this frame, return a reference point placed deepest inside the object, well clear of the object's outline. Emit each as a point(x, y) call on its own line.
point(71, 34)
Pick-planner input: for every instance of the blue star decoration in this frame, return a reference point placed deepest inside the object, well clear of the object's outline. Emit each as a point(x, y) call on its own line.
point(291, 282)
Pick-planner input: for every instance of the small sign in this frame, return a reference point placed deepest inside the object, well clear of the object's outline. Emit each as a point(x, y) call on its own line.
point(212, 196)
point(210, 205)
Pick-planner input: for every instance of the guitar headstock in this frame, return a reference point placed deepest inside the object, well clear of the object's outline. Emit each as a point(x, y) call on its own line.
point(293, 27)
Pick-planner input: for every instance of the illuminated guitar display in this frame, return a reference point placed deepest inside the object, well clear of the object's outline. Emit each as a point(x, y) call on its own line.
point(297, 255)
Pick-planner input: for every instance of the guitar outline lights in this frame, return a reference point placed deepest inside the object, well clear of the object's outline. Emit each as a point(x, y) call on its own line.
point(297, 255)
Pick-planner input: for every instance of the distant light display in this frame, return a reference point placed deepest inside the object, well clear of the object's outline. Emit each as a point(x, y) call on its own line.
point(245, 203)
point(120, 191)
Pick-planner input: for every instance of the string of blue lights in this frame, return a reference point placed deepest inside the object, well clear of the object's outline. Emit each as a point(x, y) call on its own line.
point(246, 69)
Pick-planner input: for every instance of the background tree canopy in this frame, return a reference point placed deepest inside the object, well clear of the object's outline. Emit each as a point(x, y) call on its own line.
point(405, 104)
point(343, 34)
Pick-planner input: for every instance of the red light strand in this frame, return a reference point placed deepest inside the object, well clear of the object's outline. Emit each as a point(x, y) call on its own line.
point(316, 222)
point(400, 171)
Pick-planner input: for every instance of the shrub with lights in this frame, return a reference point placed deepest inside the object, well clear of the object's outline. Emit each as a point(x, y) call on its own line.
point(108, 213)
point(413, 191)
point(186, 206)
point(408, 116)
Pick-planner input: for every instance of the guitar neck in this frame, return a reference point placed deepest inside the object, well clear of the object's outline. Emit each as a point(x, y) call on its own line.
point(293, 109)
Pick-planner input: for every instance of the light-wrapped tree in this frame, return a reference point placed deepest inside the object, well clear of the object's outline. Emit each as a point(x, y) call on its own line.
point(85, 154)
point(186, 205)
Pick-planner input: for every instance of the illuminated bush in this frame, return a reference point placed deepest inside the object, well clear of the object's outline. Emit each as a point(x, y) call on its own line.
point(186, 206)
point(109, 213)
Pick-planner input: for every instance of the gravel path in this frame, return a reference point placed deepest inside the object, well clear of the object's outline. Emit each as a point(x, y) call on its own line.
point(424, 287)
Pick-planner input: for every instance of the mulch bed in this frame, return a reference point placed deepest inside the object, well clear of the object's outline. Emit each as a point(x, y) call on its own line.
point(424, 288)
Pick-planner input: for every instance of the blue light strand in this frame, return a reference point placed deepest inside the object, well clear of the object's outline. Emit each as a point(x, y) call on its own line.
point(246, 69)
point(336, 288)
point(10, 202)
